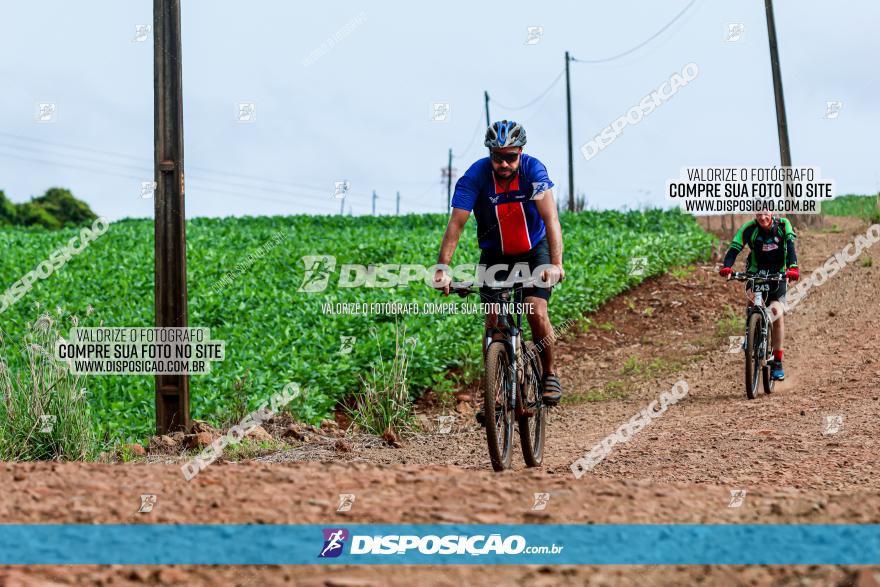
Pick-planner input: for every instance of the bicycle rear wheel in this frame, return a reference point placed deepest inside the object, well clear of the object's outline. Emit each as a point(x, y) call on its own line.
point(753, 355)
point(497, 385)
point(532, 422)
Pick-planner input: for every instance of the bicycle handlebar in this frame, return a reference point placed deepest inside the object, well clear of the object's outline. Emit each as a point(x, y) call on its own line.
point(745, 276)
point(465, 288)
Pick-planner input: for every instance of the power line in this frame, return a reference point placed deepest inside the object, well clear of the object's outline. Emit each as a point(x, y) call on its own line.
point(44, 151)
point(197, 188)
point(79, 167)
point(473, 138)
point(643, 43)
point(148, 173)
point(57, 149)
point(143, 160)
point(541, 95)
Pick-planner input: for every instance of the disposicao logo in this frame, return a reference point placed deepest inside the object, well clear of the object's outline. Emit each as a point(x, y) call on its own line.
point(334, 542)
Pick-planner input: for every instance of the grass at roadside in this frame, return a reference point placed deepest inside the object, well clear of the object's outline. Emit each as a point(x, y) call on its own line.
point(44, 410)
point(249, 449)
point(731, 324)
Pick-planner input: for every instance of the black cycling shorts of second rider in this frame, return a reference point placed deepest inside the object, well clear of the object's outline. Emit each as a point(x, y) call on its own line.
point(776, 294)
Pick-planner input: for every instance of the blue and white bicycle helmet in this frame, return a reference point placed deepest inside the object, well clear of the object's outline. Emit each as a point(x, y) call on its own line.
point(506, 133)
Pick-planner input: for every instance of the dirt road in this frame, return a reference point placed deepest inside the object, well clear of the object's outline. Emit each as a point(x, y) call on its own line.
point(794, 463)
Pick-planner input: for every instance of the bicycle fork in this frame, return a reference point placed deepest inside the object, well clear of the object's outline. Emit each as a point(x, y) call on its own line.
point(761, 347)
point(514, 373)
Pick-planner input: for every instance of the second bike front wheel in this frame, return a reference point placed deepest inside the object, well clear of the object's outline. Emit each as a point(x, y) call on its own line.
point(753, 356)
point(497, 385)
point(766, 378)
point(532, 423)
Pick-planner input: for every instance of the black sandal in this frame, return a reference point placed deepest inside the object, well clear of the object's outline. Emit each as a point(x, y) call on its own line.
point(552, 389)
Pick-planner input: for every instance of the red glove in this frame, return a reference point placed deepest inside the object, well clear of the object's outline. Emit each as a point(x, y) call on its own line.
point(793, 273)
point(725, 271)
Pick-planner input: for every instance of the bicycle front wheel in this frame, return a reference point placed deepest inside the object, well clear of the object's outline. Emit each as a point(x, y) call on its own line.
point(753, 354)
point(497, 387)
point(765, 370)
point(532, 422)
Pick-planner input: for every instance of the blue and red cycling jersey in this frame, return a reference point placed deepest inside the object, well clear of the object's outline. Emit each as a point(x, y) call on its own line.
point(506, 221)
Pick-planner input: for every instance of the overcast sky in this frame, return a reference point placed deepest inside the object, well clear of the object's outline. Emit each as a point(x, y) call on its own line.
point(361, 111)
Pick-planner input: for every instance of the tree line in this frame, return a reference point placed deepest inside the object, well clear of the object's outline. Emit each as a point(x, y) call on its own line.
point(57, 208)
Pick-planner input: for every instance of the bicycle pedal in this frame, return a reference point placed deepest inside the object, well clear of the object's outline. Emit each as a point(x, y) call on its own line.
point(481, 416)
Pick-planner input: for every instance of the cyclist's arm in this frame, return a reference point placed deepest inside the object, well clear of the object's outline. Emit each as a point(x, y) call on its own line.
point(454, 227)
point(791, 255)
point(736, 245)
point(463, 200)
point(547, 209)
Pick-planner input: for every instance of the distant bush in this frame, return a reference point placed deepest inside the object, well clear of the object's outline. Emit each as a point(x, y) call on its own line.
point(57, 208)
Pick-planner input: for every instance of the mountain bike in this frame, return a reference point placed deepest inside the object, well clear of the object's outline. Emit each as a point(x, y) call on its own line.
point(758, 344)
point(512, 388)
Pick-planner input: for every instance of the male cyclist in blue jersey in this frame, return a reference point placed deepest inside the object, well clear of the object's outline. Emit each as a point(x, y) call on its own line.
point(510, 194)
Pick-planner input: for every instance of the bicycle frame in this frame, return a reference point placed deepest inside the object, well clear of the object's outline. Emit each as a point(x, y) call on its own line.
point(510, 330)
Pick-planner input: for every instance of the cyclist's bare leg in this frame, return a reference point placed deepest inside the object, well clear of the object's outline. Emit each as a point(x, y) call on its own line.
point(542, 330)
point(777, 316)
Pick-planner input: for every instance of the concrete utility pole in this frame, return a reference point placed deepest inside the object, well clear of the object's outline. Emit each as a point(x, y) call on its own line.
point(781, 121)
point(488, 120)
point(398, 204)
point(172, 391)
point(374, 202)
point(570, 151)
point(449, 182)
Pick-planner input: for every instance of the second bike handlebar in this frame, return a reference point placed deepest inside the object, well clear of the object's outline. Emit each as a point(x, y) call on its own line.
point(745, 276)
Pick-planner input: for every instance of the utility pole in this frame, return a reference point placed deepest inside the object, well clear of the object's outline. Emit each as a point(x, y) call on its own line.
point(374, 202)
point(169, 256)
point(342, 205)
point(398, 203)
point(449, 180)
point(486, 97)
point(781, 122)
point(570, 155)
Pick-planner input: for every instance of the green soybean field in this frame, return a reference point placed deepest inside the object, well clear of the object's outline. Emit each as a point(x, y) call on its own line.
point(244, 280)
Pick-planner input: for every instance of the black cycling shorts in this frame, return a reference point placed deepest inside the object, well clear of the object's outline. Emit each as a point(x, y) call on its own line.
point(776, 294)
point(537, 256)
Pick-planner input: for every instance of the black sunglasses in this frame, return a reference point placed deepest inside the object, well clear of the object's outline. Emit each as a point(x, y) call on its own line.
point(508, 157)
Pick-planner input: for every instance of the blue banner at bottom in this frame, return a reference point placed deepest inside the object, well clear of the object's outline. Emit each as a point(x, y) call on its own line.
point(420, 544)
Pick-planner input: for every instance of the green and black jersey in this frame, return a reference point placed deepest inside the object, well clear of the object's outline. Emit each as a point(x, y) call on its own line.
point(771, 249)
